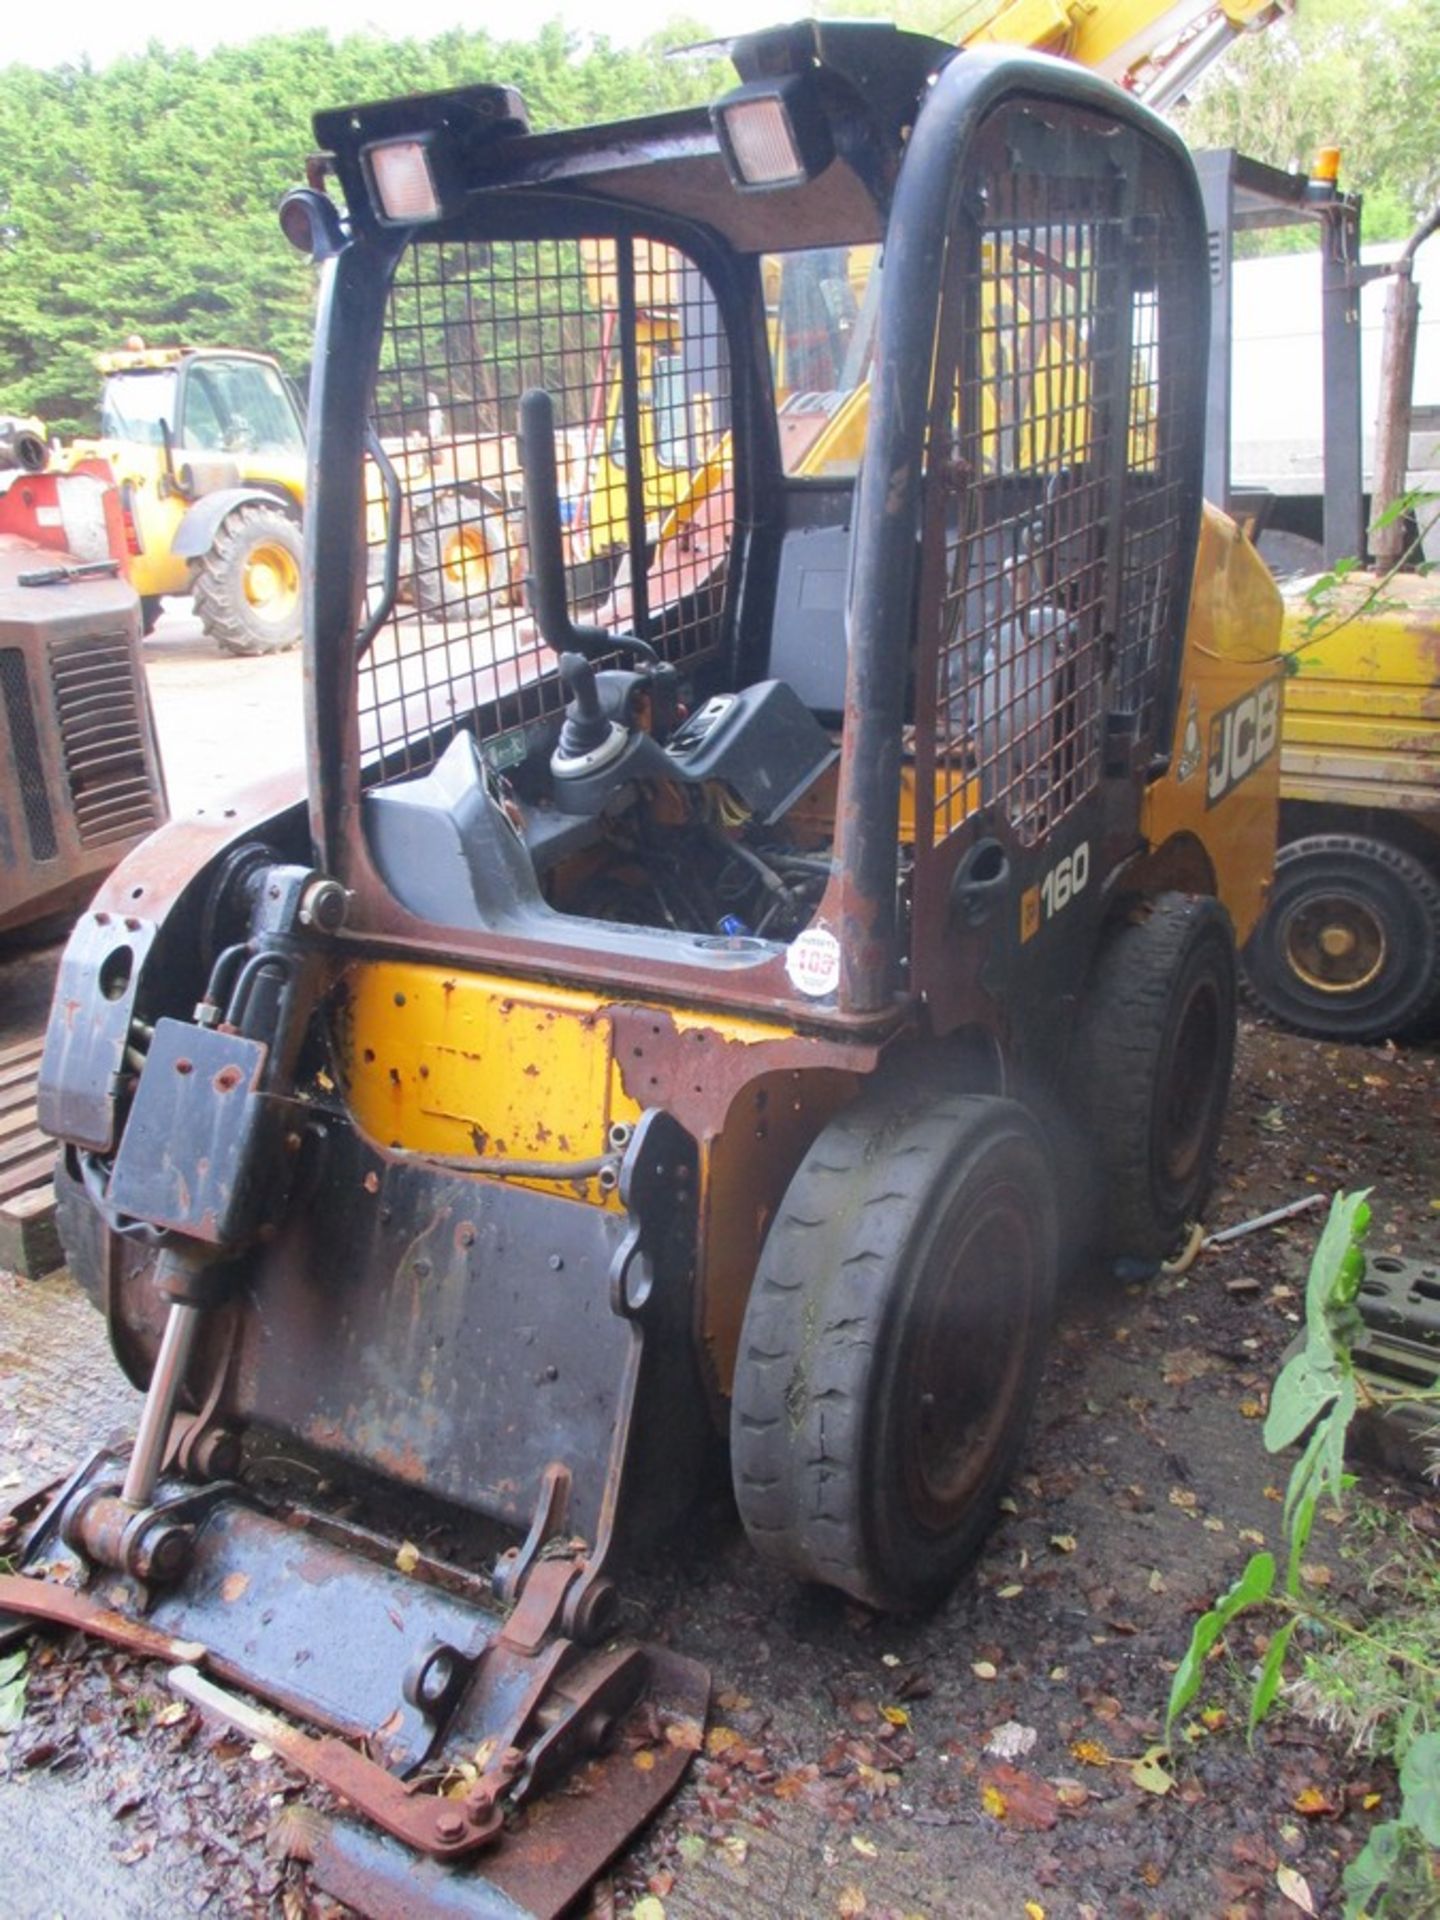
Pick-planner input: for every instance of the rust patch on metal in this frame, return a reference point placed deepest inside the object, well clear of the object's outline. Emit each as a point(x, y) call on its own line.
point(695, 1073)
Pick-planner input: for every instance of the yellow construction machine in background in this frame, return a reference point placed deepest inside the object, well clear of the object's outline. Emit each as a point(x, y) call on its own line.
point(207, 447)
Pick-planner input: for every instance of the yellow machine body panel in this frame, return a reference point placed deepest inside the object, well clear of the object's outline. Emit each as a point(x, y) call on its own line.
point(1222, 787)
point(1362, 705)
point(460, 1064)
point(472, 1063)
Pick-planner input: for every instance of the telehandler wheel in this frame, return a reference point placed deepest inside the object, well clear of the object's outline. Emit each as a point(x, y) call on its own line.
point(892, 1344)
point(1149, 1075)
point(460, 554)
point(247, 587)
point(1349, 948)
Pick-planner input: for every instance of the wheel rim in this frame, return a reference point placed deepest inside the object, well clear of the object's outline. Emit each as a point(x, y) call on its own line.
point(465, 564)
point(1335, 944)
point(966, 1366)
point(1187, 1090)
point(272, 581)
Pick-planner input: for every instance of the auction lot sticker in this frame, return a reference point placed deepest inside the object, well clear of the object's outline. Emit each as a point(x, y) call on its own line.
point(812, 961)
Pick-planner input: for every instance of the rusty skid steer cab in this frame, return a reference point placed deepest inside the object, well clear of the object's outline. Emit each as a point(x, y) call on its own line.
point(667, 1014)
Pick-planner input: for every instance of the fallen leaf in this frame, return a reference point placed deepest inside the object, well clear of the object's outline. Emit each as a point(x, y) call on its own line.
point(866, 1849)
point(407, 1558)
point(1071, 1795)
point(1182, 1497)
point(1148, 1774)
point(692, 1848)
point(647, 1907)
point(685, 1733)
point(897, 1716)
point(1090, 1753)
point(1251, 1410)
point(1034, 1910)
point(1063, 1542)
point(1314, 1575)
point(1251, 1536)
point(643, 1761)
point(233, 1585)
point(1025, 1800)
point(172, 1715)
point(983, 1669)
point(1156, 1582)
point(1009, 1593)
point(1213, 1718)
point(851, 1903)
point(1295, 1888)
point(889, 1659)
point(729, 1701)
point(735, 1848)
point(1314, 1802)
point(1371, 1801)
point(720, 1740)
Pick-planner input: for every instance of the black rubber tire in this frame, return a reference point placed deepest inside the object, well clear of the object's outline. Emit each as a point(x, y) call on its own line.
point(1149, 1074)
point(1384, 900)
point(230, 614)
point(892, 1343)
point(442, 586)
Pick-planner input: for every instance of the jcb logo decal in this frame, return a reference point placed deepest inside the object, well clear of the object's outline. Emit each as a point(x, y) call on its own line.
point(1242, 738)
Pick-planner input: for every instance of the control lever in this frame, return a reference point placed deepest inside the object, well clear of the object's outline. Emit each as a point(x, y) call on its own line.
point(589, 739)
point(545, 582)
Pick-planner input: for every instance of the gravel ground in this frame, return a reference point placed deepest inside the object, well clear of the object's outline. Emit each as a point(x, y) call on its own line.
point(846, 1770)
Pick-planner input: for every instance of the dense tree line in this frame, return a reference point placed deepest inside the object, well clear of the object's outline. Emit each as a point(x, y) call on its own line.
point(141, 198)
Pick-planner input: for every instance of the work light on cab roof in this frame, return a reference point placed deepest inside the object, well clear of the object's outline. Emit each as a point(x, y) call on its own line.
point(773, 133)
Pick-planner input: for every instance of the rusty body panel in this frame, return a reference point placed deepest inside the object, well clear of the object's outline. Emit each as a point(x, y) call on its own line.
point(83, 779)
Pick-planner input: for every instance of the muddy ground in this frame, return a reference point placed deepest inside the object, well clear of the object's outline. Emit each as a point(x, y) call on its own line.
point(846, 1770)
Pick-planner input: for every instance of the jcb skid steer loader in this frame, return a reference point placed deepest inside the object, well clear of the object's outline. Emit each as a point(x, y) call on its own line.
point(675, 1021)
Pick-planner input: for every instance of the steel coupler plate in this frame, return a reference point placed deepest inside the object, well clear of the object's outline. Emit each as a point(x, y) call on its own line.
point(422, 1702)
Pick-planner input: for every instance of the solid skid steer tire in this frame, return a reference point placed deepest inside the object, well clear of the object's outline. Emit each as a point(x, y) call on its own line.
point(1149, 1073)
point(892, 1343)
point(1349, 945)
point(247, 587)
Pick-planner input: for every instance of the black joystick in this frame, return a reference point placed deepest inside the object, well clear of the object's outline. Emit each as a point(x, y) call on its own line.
point(586, 726)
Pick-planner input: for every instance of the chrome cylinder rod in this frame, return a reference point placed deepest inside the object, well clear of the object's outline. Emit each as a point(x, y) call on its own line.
point(158, 1413)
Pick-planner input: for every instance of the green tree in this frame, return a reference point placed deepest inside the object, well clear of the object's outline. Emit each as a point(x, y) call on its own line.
point(141, 198)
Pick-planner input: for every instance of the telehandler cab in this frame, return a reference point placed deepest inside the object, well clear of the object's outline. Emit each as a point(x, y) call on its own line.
point(677, 1021)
